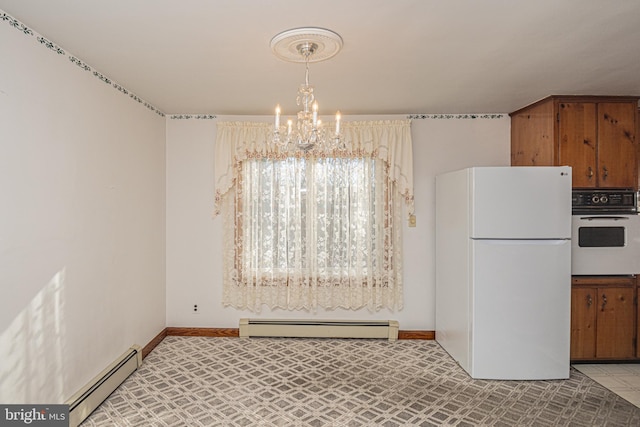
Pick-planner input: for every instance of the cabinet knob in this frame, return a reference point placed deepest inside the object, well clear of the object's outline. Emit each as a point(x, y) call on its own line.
point(589, 300)
point(590, 174)
point(605, 172)
point(604, 302)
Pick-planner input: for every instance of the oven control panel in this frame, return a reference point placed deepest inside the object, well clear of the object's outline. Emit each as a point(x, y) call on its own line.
point(604, 201)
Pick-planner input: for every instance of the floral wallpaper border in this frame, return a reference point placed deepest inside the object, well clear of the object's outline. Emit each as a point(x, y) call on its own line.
point(57, 49)
point(454, 116)
point(192, 116)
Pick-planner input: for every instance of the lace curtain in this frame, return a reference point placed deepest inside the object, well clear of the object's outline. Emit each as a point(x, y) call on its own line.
point(304, 230)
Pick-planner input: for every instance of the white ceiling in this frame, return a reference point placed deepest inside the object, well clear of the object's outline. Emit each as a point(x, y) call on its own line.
point(399, 56)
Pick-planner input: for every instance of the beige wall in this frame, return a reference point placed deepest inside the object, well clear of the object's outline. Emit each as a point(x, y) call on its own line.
point(82, 216)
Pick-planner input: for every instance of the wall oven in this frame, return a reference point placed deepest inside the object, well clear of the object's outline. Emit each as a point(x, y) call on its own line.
point(605, 235)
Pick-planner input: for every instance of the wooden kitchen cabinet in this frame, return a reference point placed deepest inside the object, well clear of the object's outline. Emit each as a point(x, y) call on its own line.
point(583, 323)
point(596, 136)
point(603, 318)
point(637, 319)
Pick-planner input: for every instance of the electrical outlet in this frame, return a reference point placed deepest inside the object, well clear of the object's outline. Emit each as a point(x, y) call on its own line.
point(195, 309)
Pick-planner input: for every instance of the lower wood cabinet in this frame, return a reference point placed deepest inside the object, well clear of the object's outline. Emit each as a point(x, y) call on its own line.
point(603, 318)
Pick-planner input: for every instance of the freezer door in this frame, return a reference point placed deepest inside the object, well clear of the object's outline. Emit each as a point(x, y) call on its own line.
point(520, 202)
point(521, 305)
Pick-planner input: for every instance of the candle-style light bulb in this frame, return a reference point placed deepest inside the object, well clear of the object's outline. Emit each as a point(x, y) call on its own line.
point(338, 116)
point(277, 116)
point(315, 114)
point(289, 125)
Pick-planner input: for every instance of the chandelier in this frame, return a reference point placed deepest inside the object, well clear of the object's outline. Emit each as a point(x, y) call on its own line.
point(307, 132)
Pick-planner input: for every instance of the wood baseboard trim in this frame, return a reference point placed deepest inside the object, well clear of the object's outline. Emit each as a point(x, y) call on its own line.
point(153, 343)
point(235, 332)
point(204, 332)
point(416, 335)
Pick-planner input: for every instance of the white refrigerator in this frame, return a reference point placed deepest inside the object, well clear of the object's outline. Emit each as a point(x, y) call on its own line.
point(503, 271)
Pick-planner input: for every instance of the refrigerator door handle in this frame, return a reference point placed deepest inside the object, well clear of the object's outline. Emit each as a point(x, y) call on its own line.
point(596, 217)
point(523, 241)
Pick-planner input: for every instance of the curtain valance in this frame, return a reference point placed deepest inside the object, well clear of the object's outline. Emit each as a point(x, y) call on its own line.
point(388, 140)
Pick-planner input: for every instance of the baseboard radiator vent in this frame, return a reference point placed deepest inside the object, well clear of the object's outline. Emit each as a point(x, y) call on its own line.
point(85, 401)
point(387, 329)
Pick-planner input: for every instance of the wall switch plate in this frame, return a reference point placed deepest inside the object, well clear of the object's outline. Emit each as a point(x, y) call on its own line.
point(412, 220)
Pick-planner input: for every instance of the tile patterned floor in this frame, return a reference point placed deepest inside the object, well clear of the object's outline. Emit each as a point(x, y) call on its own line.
point(622, 379)
point(198, 381)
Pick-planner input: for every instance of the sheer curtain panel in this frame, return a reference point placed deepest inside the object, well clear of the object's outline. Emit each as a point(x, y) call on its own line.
point(307, 230)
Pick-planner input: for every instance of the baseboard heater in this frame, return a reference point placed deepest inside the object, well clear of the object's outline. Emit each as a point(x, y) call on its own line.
point(85, 401)
point(319, 328)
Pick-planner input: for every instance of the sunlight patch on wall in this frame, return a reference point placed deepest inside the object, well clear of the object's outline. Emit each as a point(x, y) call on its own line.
point(32, 349)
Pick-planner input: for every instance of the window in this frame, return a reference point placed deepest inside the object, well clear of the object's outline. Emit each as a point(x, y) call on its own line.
point(303, 232)
point(319, 217)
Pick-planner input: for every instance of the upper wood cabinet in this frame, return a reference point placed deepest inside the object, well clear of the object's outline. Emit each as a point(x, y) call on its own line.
point(596, 136)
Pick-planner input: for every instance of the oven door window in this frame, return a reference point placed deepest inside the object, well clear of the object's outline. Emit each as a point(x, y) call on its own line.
point(601, 237)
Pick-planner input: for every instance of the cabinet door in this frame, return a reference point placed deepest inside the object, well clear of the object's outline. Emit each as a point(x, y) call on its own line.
point(532, 137)
point(637, 324)
point(578, 141)
point(617, 151)
point(616, 323)
point(583, 323)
